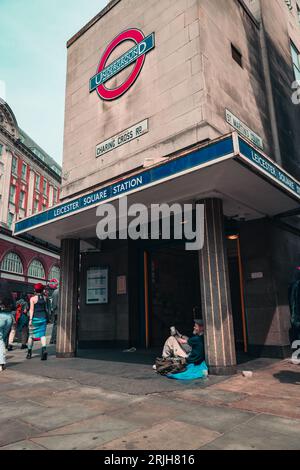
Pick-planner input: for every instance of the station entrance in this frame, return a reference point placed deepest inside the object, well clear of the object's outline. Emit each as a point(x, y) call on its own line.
point(173, 291)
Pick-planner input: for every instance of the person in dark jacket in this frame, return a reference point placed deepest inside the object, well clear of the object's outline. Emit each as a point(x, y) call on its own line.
point(192, 349)
point(294, 302)
point(38, 319)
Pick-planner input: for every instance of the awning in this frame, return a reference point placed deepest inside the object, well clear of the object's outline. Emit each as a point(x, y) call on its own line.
point(250, 184)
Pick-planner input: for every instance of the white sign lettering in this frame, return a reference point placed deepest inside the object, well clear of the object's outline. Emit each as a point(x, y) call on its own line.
point(244, 130)
point(124, 137)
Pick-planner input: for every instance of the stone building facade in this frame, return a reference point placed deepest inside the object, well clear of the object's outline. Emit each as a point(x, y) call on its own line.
point(204, 115)
point(29, 183)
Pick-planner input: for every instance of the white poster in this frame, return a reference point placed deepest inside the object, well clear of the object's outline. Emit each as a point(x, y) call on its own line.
point(97, 286)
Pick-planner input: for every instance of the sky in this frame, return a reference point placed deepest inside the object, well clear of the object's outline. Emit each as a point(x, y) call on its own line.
point(33, 55)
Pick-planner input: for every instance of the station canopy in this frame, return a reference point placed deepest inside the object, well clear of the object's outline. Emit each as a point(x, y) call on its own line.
point(251, 185)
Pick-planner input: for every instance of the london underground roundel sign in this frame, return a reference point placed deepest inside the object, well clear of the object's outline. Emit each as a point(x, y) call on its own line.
point(136, 55)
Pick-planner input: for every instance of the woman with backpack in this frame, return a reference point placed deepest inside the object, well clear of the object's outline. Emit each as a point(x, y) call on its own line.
point(6, 320)
point(38, 319)
point(20, 324)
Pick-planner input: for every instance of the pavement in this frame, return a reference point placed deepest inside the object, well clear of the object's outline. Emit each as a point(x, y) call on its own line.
point(111, 400)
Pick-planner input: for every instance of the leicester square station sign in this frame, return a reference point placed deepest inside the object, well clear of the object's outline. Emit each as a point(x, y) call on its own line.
point(136, 55)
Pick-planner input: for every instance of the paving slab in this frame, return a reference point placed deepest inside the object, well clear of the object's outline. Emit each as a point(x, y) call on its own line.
point(34, 391)
point(89, 434)
point(52, 418)
point(23, 445)
point(270, 424)
point(19, 409)
point(217, 419)
point(148, 413)
point(14, 430)
point(248, 438)
point(210, 396)
point(276, 406)
point(168, 435)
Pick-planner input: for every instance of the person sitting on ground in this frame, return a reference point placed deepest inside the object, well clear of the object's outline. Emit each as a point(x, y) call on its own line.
point(191, 349)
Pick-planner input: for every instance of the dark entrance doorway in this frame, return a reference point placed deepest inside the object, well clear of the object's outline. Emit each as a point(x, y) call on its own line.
point(174, 291)
point(237, 293)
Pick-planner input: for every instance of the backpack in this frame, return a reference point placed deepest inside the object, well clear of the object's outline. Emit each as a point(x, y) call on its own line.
point(170, 365)
point(19, 312)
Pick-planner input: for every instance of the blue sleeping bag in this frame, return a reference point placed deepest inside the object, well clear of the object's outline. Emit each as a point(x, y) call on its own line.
point(192, 372)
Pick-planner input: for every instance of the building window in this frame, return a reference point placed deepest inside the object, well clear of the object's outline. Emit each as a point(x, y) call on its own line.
point(44, 207)
point(54, 273)
point(45, 187)
point(296, 61)
point(1, 150)
point(298, 13)
point(22, 200)
point(236, 55)
point(37, 182)
point(24, 171)
point(35, 206)
point(10, 220)
point(54, 195)
point(36, 269)
point(14, 167)
point(12, 194)
point(12, 263)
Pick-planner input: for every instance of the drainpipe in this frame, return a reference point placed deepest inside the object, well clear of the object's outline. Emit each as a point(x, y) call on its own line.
point(268, 81)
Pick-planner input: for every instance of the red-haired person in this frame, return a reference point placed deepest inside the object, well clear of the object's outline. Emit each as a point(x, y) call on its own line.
point(38, 319)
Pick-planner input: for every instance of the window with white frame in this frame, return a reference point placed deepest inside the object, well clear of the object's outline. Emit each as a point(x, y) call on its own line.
point(12, 263)
point(22, 200)
point(36, 269)
point(45, 186)
point(296, 61)
point(14, 166)
point(24, 171)
point(37, 182)
point(12, 194)
point(54, 273)
point(10, 220)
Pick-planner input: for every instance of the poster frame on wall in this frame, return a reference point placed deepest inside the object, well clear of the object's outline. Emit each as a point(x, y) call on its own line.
point(101, 273)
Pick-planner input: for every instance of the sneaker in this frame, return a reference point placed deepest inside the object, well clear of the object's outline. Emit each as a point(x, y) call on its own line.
point(154, 367)
point(10, 347)
point(24, 346)
point(29, 353)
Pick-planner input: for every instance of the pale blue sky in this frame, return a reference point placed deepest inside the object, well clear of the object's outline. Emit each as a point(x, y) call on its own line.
point(33, 36)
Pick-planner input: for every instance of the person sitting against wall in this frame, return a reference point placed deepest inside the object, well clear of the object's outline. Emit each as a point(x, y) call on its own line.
point(191, 349)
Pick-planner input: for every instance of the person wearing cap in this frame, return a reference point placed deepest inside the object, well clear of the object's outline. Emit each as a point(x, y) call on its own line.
point(191, 349)
point(38, 318)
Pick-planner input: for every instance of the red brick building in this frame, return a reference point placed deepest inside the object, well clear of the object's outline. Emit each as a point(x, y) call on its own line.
point(29, 183)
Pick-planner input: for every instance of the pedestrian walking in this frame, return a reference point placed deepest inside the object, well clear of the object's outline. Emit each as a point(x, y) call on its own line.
point(6, 320)
point(38, 319)
point(20, 323)
point(55, 305)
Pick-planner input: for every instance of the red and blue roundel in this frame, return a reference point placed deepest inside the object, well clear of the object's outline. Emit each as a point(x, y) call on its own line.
point(136, 55)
